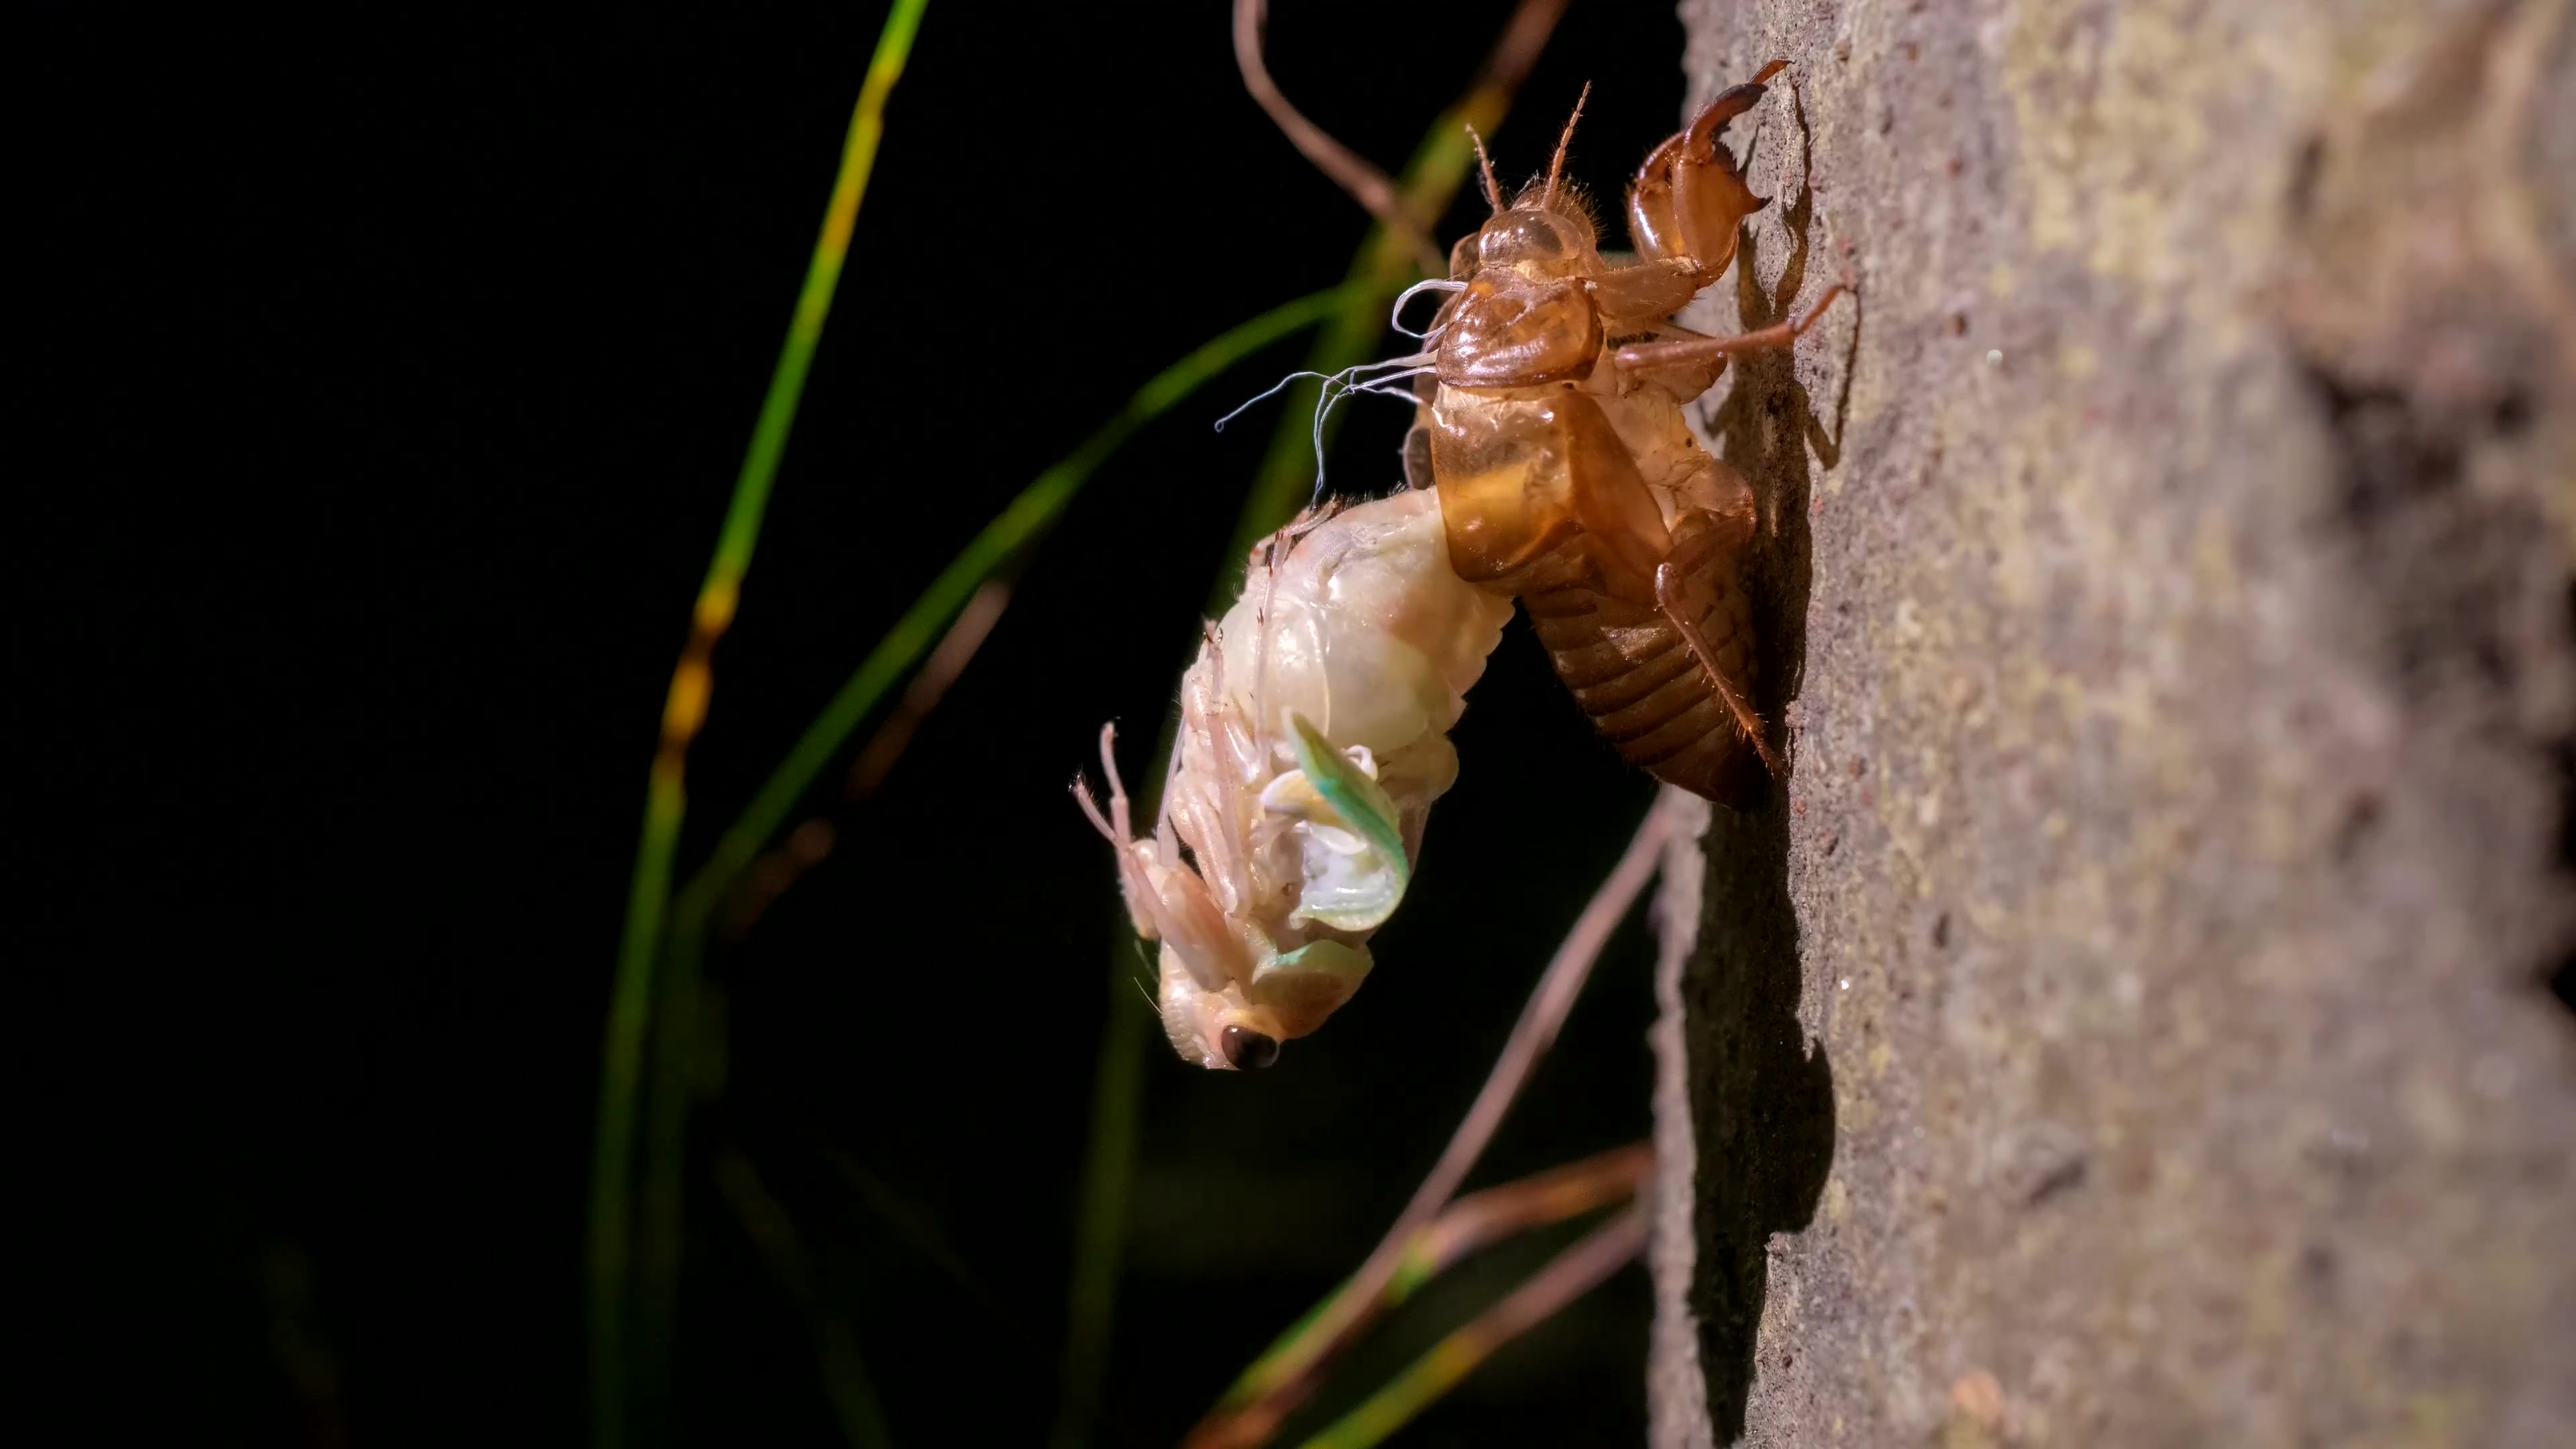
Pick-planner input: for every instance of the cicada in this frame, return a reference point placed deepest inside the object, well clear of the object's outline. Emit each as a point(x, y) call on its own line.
point(1551, 463)
point(1554, 436)
point(1314, 737)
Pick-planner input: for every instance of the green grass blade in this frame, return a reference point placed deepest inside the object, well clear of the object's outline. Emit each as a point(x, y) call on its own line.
point(1575, 1272)
point(1100, 1220)
point(1466, 1226)
point(684, 710)
point(673, 1033)
point(1383, 267)
point(1020, 524)
point(847, 1385)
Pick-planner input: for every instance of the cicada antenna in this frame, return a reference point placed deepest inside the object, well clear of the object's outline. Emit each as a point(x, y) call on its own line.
point(1556, 163)
point(1485, 165)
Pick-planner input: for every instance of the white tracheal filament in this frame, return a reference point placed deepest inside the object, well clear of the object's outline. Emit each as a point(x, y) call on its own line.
point(1313, 741)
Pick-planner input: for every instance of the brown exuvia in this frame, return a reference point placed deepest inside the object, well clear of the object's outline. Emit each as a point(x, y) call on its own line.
point(1553, 433)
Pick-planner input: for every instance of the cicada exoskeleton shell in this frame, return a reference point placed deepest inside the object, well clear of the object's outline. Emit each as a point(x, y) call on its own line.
point(1552, 429)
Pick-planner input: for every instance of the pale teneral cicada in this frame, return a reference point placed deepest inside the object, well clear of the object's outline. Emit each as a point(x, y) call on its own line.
point(1550, 463)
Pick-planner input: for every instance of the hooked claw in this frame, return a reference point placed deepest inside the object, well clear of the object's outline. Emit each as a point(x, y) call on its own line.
point(1690, 195)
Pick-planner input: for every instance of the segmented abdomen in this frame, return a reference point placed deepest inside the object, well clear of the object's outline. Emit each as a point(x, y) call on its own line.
point(1647, 693)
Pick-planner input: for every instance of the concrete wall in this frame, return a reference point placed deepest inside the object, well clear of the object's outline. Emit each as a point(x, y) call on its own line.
point(2132, 1022)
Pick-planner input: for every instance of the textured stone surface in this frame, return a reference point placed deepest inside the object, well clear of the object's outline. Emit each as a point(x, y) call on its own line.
point(2131, 1023)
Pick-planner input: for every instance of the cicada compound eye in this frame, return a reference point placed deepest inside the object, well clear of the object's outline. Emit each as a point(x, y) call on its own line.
point(1537, 242)
point(1248, 1050)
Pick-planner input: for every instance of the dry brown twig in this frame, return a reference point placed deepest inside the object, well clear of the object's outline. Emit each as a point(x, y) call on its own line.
point(1373, 189)
point(1506, 66)
point(1481, 1219)
point(805, 846)
point(1568, 1276)
point(1349, 1312)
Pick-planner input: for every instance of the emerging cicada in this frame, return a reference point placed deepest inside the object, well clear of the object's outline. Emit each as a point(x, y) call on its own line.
point(1551, 463)
point(1314, 737)
point(1567, 476)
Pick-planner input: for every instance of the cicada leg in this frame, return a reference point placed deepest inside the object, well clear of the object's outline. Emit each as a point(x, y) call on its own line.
point(1646, 357)
point(1645, 294)
point(1700, 588)
point(1116, 827)
point(1693, 570)
point(1690, 195)
point(1418, 474)
point(1166, 900)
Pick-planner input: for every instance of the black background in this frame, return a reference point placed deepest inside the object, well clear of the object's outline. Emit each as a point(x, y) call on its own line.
point(390, 376)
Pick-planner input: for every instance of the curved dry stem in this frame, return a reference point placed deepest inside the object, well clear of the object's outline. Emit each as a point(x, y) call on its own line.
point(1481, 1219)
point(781, 866)
point(1252, 1411)
point(1368, 186)
point(1381, 269)
point(1568, 1276)
point(1384, 266)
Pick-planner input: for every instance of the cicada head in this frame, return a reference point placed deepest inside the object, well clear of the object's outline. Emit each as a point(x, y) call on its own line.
point(1241, 1025)
point(1539, 242)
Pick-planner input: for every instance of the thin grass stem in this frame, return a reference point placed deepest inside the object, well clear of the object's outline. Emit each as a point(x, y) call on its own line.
point(1021, 523)
point(683, 713)
point(673, 1013)
point(779, 867)
point(1252, 1408)
point(847, 1385)
point(1570, 1275)
point(1481, 1219)
point(1384, 266)
point(1366, 184)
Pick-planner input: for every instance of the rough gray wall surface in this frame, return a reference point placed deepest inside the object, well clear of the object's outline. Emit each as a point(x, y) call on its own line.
point(2131, 1022)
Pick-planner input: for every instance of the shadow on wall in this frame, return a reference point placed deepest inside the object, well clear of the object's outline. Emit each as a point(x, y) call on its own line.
point(1765, 1128)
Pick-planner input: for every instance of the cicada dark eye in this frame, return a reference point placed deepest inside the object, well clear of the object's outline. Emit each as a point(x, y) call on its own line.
point(1248, 1050)
point(1519, 236)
